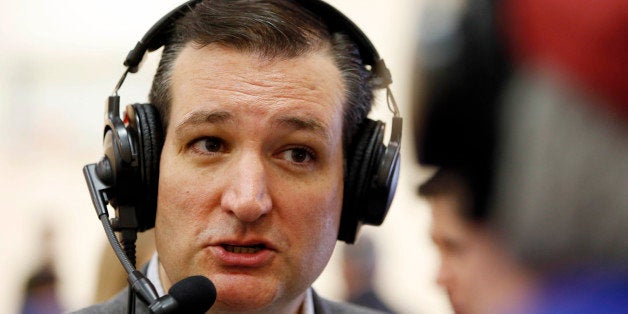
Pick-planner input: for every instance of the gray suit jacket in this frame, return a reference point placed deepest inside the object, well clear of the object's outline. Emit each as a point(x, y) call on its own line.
point(118, 304)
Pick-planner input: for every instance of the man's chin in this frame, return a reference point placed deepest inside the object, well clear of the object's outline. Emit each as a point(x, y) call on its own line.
point(244, 292)
point(456, 305)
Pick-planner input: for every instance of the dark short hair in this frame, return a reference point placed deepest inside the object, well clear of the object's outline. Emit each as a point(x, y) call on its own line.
point(450, 183)
point(272, 29)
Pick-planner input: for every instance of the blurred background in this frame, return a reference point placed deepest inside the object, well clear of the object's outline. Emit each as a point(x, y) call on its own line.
point(58, 63)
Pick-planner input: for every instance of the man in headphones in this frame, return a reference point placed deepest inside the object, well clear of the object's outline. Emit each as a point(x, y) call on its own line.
point(261, 107)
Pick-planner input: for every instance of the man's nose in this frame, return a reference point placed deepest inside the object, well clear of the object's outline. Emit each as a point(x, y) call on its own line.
point(246, 195)
point(444, 274)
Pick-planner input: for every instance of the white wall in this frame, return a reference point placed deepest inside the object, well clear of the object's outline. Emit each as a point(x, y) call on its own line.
point(58, 62)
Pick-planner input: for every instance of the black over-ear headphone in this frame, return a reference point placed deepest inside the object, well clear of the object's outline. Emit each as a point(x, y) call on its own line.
point(127, 176)
point(464, 69)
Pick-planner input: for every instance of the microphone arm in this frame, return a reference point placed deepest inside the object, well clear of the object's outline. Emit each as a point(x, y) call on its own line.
point(139, 283)
point(136, 279)
point(195, 294)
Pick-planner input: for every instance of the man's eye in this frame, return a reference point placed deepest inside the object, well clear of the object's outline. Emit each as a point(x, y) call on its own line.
point(453, 247)
point(298, 155)
point(209, 145)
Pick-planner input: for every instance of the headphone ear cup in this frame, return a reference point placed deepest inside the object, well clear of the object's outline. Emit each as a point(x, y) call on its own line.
point(384, 184)
point(362, 162)
point(147, 123)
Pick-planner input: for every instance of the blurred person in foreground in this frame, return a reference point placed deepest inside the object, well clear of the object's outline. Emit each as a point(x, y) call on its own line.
point(267, 157)
point(359, 266)
point(528, 100)
point(479, 274)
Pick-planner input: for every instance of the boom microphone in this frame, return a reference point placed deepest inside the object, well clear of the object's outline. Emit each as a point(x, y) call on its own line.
point(194, 294)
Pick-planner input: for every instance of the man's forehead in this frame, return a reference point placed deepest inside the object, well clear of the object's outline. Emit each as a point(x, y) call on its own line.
point(224, 66)
point(193, 53)
point(215, 78)
point(446, 214)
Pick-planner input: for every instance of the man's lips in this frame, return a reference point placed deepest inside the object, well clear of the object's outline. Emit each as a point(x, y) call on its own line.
point(242, 254)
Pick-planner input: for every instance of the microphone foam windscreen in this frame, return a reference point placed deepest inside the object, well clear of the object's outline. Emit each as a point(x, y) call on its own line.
point(194, 294)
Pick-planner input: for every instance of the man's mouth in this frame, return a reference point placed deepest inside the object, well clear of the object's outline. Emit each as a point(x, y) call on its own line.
point(243, 249)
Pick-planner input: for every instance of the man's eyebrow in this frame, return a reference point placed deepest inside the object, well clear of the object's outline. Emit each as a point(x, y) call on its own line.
point(307, 124)
point(197, 118)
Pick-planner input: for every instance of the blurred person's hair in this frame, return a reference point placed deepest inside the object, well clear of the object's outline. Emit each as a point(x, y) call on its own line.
point(446, 182)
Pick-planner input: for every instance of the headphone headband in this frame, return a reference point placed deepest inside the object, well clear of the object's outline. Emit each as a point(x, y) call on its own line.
point(159, 35)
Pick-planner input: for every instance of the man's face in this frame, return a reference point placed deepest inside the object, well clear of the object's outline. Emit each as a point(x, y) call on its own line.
point(251, 175)
point(474, 269)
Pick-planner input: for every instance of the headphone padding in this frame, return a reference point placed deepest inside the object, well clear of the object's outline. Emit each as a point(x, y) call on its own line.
point(362, 163)
point(151, 142)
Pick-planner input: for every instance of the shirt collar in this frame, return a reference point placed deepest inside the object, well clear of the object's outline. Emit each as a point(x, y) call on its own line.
point(152, 273)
